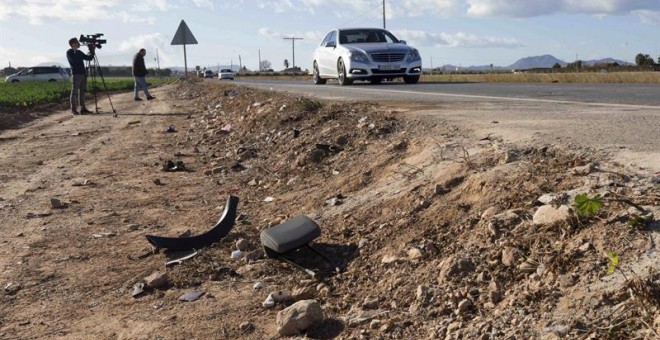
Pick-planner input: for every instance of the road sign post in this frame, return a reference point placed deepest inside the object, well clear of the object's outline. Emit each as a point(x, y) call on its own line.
point(184, 37)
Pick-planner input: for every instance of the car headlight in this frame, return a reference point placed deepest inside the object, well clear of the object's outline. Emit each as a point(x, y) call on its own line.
point(358, 56)
point(414, 56)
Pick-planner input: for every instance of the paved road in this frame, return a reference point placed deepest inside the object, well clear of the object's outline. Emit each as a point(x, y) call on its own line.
point(618, 94)
point(621, 119)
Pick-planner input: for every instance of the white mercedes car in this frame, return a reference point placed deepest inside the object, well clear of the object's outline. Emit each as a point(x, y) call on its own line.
point(373, 54)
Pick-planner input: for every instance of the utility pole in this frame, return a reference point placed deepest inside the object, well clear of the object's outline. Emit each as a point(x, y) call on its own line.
point(158, 61)
point(240, 63)
point(383, 14)
point(293, 46)
point(259, 60)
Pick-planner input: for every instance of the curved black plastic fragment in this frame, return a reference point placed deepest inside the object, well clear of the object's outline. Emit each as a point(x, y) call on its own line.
point(220, 230)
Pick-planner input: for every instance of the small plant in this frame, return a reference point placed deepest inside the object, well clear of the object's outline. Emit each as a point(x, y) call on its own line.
point(587, 207)
point(614, 262)
point(639, 222)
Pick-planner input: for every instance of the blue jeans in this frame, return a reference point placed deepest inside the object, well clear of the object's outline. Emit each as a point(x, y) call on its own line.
point(78, 87)
point(141, 84)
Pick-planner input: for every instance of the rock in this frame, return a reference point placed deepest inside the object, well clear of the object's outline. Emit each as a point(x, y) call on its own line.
point(509, 256)
point(236, 254)
point(547, 198)
point(559, 330)
point(253, 183)
point(305, 293)
point(242, 245)
point(258, 285)
point(361, 317)
point(208, 172)
point(269, 302)
point(387, 259)
point(415, 253)
point(483, 277)
point(423, 204)
point(363, 242)
point(11, 288)
point(191, 296)
point(370, 303)
point(254, 255)
point(582, 170)
point(298, 317)
point(281, 295)
point(527, 267)
point(464, 306)
point(454, 268)
point(246, 327)
point(422, 292)
point(494, 296)
point(585, 247)
point(157, 279)
point(56, 203)
point(217, 170)
point(548, 215)
point(138, 289)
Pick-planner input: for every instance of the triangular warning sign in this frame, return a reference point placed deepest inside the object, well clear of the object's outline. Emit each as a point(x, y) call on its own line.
point(183, 36)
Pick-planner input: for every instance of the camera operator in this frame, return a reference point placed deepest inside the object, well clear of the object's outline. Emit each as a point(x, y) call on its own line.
point(76, 60)
point(139, 72)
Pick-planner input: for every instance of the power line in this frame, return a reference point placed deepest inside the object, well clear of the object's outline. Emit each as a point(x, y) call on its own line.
point(370, 10)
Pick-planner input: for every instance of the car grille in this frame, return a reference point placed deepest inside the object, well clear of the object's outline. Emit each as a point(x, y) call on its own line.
point(377, 71)
point(387, 57)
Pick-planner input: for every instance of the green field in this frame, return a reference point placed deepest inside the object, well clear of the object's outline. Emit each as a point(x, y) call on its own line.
point(29, 94)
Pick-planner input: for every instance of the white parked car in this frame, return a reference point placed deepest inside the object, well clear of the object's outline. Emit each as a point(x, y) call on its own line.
point(373, 54)
point(39, 73)
point(226, 74)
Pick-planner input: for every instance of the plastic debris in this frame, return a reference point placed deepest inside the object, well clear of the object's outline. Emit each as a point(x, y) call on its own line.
point(236, 254)
point(269, 199)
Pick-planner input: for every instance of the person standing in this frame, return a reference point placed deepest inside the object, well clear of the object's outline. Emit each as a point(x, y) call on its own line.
point(139, 72)
point(76, 60)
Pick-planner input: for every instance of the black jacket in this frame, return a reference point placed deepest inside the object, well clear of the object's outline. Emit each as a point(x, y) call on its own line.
point(139, 70)
point(76, 60)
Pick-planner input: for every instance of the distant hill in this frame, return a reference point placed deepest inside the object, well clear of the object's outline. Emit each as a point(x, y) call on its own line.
point(543, 61)
point(605, 61)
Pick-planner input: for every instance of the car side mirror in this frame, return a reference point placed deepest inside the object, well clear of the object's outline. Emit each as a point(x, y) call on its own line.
point(403, 42)
point(330, 44)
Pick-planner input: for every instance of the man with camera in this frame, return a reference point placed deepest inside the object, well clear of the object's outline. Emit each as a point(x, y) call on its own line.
point(76, 60)
point(139, 72)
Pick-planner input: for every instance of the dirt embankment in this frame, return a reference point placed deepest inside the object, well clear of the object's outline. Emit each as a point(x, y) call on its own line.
point(438, 234)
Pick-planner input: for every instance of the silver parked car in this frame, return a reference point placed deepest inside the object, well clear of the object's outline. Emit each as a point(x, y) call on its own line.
point(39, 73)
point(370, 54)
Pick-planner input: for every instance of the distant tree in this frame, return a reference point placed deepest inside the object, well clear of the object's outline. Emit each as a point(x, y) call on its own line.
point(576, 65)
point(286, 63)
point(244, 68)
point(265, 65)
point(556, 65)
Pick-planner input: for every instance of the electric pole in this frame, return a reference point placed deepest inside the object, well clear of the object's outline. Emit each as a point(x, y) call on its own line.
point(240, 63)
point(259, 60)
point(383, 14)
point(293, 46)
point(158, 61)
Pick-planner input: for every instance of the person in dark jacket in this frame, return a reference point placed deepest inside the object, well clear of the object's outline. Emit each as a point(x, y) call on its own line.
point(139, 72)
point(76, 60)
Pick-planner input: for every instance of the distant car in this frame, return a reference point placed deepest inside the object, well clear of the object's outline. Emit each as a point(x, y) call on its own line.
point(226, 73)
point(371, 54)
point(208, 74)
point(39, 73)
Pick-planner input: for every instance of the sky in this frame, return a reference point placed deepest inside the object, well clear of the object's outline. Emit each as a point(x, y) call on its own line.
point(457, 32)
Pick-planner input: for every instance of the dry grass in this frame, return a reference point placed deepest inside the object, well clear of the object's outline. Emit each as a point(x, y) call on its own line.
point(586, 77)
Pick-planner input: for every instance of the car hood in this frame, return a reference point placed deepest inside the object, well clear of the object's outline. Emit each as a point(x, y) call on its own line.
point(378, 48)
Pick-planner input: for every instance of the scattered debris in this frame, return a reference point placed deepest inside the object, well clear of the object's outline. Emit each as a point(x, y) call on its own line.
point(170, 129)
point(138, 289)
point(191, 296)
point(180, 260)
point(170, 166)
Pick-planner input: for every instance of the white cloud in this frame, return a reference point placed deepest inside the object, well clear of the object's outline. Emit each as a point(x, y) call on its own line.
point(648, 17)
point(459, 39)
point(531, 8)
point(38, 12)
point(18, 57)
point(151, 42)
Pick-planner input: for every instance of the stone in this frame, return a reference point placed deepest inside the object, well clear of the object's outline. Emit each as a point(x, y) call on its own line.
point(269, 302)
point(387, 259)
point(305, 293)
point(464, 306)
point(298, 317)
point(375, 324)
point(208, 172)
point(509, 256)
point(254, 255)
point(583, 170)
point(56, 203)
point(363, 242)
point(216, 170)
point(157, 280)
point(253, 183)
point(547, 198)
point(370, 303)
point(548, 215)
point(455, 268)
point(527, 267)
point(585, 247)
point(421, 293)
point(415, 253)
point(191, 296)
point(242, 245)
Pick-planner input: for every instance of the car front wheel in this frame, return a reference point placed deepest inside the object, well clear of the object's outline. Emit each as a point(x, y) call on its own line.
point(15, 81)
point(341, 73)
point(411, 79)
point(316, 76)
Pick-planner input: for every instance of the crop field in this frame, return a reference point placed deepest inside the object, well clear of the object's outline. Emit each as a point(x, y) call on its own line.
point(28, 94)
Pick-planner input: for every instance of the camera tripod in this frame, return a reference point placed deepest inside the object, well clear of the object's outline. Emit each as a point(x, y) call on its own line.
point(94, 70)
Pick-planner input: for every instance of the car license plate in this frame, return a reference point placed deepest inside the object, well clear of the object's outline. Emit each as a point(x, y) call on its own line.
point(389, 67)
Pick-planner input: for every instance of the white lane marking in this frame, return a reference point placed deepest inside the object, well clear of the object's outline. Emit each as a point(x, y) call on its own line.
point(474, 96)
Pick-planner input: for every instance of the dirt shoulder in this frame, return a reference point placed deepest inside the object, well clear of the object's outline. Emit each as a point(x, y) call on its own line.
point(435, 228)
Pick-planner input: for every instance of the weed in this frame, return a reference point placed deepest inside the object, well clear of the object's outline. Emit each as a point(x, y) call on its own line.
point(587, 207)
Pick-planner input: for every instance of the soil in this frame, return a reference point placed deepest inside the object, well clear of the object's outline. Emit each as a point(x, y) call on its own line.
point(432, 228)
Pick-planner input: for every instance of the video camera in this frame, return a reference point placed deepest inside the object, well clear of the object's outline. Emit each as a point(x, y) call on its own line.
point(92, 40)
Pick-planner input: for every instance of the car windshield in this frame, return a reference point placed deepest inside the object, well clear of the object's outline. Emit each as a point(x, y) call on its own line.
point(225, 70)
point(360, 36)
